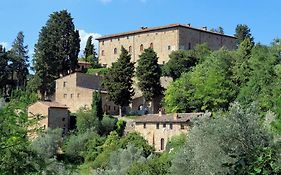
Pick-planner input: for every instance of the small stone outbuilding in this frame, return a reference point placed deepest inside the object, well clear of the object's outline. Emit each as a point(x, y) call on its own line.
point(158, 129)
point(55, 115)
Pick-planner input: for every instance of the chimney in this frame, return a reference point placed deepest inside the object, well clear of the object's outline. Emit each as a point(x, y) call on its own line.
point(189, 25)
point(204, 27)
point(175, 116)
point(143, 28)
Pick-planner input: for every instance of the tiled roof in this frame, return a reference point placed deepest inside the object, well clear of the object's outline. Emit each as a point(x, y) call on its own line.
point(174, 118)
point(143, 30)
point(53, 104)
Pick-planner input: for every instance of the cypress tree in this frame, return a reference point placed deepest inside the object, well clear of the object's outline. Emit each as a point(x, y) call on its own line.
point(148, 74)
point(118, 81)
point(56, 51)
point(97, 106)
point(18, 55)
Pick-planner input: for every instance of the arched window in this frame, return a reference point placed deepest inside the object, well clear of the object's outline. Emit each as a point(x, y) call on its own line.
point(162, 144)
point(115, 50)
point(151, 45)
point(102, 53)
point(141, 47)
point(130, 49)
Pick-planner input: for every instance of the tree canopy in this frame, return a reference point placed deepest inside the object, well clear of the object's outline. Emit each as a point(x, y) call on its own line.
point(56, 51)
point(148, 73)
point(118, 80)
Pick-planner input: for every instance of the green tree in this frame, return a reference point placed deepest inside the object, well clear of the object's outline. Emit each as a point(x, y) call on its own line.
point(18, 55)
point(118, 81)
point(180, 61)
point(241, 69)
point(148, 74)
point(87, 121)
point(3, 70)
point(121, 160)
point(206, 87)
point(90, 54)
point(56, 51)
point(227, 144)
point(97, 106)
point(217, 30)
point(242, 31)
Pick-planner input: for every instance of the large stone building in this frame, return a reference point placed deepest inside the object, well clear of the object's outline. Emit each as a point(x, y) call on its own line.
point(158, 129)
point(163, 40)
point(75, 91)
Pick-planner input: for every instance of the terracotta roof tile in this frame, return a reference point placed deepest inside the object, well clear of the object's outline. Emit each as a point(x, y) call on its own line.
point(53, 104)
point(158, 28)
point(174, 118)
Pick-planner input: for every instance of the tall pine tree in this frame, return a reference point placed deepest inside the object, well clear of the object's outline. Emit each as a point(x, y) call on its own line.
point(18, 56)
point(118, 81)
point(148, 74)
point(3, 70)
point(90, 53)
point(56, 51)
point(242, 31)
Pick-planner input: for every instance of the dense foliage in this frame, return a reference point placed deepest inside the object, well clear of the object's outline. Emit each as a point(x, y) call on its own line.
point(148, 73)
point(56, 51)
point(118, 80)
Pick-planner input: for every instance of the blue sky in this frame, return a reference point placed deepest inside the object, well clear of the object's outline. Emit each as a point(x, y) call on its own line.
point(100, 17)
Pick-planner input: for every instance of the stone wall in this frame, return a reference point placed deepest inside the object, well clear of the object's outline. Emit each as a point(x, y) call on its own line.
point(70, 93)
point(189, 38)
point(154, 135)
point(163, 41)
point(160, 40)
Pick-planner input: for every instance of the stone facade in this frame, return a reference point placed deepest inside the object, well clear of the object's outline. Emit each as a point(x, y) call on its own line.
point(158, 129)
point(54, 115)
point(75, 91)
point(163, 40)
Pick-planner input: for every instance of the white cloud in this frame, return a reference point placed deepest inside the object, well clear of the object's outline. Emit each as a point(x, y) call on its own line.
point(84, 37)
point(5, 44)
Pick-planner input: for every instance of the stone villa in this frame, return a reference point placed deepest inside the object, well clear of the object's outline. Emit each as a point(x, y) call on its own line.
point(75, 91)
point(158, 129)
point(163, 40)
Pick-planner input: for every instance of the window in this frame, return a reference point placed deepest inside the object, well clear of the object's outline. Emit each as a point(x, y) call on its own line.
point(71, 95)
point(156, 33)
point(141, 47)
point(78, 95)
point(144, 125)
point(127, 37)
point(169, 47)
point(102, 42)
point(164, 125)
point(130, 49)
point(163, 62)
point(114, 108)
point(110, 40)
point(63, 119)
point(64, 95)
point(182, 126)
point(109, 108)
point(115, 51)
point(189, 46)
point(102, 53)
point(151, 45)
point(171, 125)
point(162, 144)
point(157, 125)
point(118, 39)
point(64, 84)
